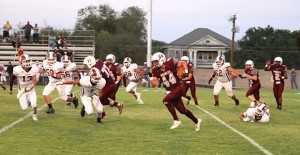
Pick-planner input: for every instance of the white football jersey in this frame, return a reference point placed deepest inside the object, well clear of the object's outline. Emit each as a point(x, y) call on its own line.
point(222, 73)
point(68, 73)
point(250, 115)
point(25, 78)
point(130, 72)
point(87, 88)
point(56, 68)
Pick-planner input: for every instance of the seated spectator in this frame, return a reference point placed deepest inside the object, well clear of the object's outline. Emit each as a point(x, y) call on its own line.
point(60, 42)
point(52, 41)
point(16, 40)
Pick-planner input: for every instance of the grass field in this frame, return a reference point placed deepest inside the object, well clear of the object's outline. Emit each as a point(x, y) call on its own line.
point(144, 129)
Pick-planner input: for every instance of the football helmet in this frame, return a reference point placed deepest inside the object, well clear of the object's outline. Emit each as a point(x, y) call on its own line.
point(25, 60)
point(278, 61)
point(220, 61)
point(260, 111)
point(249, 62)
point(160, 57)
point(127, 62)
point(65, 60)
point(51, 58)
point(185, 58)
point(110, 58)
point(95, 75)
point(89, 61)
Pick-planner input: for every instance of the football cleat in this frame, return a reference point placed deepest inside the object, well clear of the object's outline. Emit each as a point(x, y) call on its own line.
point(68, 104)
point(82, 112)
point(188, 100)
point(216, 104)
point(120, 107)
point(175, 124)
point(237, 102)
point(34, 117)
point(75, 102)
point(99, 119)
point(197, 126)
point(103, 116)
point(279, 107)
point(50, 111)
point(4, 88)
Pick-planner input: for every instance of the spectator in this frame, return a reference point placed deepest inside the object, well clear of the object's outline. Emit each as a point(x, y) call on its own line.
point(145, 69)
point(58, 55)
point(6, 29)
point(60, 42)
point(16, 40)
point(27, 28)
point(9, 70)
point(294, 79)
point(36, 34)
point(52, 41)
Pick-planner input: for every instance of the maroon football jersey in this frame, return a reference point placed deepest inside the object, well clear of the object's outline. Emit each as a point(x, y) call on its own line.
point(104, 72)
point(253, 72)
point(169, 74)
point(114, 69)
point(278, 72)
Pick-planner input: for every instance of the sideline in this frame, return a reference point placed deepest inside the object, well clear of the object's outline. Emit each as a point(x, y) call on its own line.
point(234, 130)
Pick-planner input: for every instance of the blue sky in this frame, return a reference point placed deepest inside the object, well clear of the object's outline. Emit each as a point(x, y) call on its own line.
point(171, 18)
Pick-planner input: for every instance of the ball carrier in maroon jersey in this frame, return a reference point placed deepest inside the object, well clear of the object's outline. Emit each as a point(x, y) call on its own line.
point(166, 69)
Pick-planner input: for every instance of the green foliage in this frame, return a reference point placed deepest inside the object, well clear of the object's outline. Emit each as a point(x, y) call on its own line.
point(120, 33)
point(261, 44)
point(144, 129)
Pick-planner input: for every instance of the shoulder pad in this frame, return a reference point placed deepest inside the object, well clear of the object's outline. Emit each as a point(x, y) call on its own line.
point(226, 64)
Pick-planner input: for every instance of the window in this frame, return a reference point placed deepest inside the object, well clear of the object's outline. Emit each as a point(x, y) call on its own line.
point(178, 54)
point(185, 53)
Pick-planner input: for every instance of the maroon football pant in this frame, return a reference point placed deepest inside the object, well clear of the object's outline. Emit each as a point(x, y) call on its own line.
point(186, 86)
point(278, 89)
point(254, 90)
point(107, 92)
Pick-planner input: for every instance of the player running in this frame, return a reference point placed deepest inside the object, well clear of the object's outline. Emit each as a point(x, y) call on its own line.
point(26, 75)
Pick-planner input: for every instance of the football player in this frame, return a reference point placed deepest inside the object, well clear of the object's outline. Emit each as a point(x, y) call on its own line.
point(252, 74)
point(106, 94)
point(115, 71)
point(54, 71)
point(259, 113)
point(134, 75)
point(89, 85)
point(279, 73)
point(189, 81)
point(1, 84)
point(68, 75)
point(26, 75)
point(166, 69)
point(223, 70)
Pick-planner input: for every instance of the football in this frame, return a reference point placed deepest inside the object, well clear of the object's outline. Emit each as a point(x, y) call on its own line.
point(154, 82)
point(180, 71)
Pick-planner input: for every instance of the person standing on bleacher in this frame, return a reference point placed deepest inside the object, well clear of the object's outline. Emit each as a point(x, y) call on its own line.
point(36, 34)
point(6, 29)
point(27, 28)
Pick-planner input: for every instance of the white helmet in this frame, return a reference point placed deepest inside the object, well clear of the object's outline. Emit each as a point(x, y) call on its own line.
point(65, 60)
point(278, 59)
point(111, 58)
point(249, 62)
point(51, 58)
point(185, 58)
point(219, 61)
point(260, 111)
point(25, 60)
point(95, 75)
point(160, 57)
point(127, 62)
point(89, 61)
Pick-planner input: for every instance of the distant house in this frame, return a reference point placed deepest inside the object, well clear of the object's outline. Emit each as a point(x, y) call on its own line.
point(202, 46)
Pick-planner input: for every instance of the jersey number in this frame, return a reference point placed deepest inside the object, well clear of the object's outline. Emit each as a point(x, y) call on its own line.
point(172, 80)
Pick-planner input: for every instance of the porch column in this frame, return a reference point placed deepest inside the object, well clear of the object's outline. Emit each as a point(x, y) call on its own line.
point(191, 55)
point(195, 59)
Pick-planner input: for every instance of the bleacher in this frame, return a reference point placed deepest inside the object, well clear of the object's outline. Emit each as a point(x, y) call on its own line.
point(81, 45)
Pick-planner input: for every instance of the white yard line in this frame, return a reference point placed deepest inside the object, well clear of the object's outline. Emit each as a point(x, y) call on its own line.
point(24, 117)
point(235, 130)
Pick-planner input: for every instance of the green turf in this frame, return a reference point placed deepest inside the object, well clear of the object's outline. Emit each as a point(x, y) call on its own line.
point(144, 129)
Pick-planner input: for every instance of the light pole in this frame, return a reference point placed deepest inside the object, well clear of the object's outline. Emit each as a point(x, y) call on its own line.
point(149, 33)
point(233, 30)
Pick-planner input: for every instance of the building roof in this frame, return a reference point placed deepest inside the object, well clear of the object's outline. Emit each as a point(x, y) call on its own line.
point(198, 34)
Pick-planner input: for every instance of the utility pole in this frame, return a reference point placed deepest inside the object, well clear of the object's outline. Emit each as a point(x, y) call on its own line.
point(149, 33)
point(233, 30)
